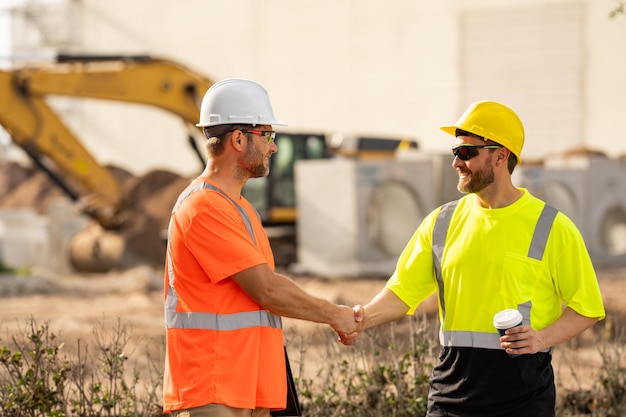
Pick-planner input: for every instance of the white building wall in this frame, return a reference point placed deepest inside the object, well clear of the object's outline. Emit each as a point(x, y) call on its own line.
point(400, 68)
point(353, 66)
point(605, 83)
point(531, 58)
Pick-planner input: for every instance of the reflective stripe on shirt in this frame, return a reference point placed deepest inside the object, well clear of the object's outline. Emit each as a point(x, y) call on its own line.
point(211, 321)
point(535, 251)
point(542, 230)
point(440, 230)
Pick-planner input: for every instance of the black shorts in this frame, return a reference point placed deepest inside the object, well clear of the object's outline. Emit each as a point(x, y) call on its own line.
point(471, 382)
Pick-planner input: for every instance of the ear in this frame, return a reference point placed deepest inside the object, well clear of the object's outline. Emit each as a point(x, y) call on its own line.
point(503, 155)
point(236, 139)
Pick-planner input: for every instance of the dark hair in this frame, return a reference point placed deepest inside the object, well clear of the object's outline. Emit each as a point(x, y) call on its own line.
point(511, 162)
point(216, 134)
point(461, 132)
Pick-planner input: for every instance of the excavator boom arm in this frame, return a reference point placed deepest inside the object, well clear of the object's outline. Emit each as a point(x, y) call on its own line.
point(160, 83)
point(35, 127)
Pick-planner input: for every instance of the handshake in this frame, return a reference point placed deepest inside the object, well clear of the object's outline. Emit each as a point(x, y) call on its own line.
point(349, 324)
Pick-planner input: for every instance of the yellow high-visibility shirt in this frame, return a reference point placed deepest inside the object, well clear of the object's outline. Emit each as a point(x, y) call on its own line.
point(485, 268)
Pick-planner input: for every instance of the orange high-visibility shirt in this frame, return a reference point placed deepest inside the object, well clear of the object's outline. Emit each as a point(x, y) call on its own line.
point(222, 347)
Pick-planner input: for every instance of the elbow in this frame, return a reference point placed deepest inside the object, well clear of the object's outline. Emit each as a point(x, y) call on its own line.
point(268, 298)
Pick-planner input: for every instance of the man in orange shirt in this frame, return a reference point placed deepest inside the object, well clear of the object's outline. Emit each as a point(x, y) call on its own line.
point(223, 299)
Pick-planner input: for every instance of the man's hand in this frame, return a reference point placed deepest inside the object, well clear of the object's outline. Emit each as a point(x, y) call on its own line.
point(359, 317)
point(384, 308)
point(346, 321)
point(521, 340)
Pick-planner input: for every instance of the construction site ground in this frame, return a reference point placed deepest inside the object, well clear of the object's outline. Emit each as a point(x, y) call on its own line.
point(74, 304)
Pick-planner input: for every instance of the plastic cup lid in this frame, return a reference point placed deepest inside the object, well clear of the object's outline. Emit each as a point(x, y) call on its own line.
point(507, 318)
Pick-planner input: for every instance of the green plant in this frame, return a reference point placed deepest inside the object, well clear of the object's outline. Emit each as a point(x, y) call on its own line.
point(385, 374)
point(36, 380)
point(376, 377)
point(5, 269)
point(103, 388)
point(604, 393)
point(609, 391)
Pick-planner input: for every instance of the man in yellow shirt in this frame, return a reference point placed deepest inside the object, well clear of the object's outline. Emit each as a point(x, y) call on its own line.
point(496, 248)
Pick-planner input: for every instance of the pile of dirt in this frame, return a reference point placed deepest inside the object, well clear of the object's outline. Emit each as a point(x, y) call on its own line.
point(152, 195)
point(155, 194)
point(25, 187)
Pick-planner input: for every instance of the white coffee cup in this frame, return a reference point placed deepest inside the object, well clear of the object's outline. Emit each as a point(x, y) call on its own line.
point(507, 319)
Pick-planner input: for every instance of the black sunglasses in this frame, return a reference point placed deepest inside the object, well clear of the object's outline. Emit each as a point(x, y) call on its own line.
point(467, 152)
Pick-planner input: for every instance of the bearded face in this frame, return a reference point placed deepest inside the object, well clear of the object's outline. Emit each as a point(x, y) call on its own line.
point(474, 181)
point(255, 160)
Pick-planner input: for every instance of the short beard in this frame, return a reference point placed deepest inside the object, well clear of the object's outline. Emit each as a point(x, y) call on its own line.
point(253, 162)
point(478, 180)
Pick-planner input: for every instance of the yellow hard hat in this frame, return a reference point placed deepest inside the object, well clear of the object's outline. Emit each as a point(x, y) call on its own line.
point(493, 121)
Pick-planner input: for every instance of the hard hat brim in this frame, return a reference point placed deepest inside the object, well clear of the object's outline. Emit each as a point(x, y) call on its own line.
point(244, 122)
point(451, 130)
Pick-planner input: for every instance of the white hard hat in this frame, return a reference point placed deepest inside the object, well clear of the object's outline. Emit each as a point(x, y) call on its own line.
point(237, 101)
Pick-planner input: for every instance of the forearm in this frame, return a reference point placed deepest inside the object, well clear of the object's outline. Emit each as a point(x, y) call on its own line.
point(569, 325)
point(282, 296)
point(385, 307)
point(287, 299)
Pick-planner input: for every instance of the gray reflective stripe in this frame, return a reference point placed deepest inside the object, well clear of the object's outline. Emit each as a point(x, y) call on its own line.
point(469, 339)
point(524, 310)
point(211, 321)
point(535, 251)
point(440, 230)
point(472, 339)
point(542, 231)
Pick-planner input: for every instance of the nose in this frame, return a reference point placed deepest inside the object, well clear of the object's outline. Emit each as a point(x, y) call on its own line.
point(457, 162)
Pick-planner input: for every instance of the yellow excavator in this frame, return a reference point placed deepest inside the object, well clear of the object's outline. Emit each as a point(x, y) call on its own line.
point(38, 129)
point(122, 235)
